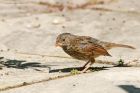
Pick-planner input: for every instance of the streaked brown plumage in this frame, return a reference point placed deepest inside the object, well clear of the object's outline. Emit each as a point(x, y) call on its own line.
point(85, 47)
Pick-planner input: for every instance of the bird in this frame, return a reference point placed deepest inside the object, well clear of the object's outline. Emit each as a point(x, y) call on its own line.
point(85, 47)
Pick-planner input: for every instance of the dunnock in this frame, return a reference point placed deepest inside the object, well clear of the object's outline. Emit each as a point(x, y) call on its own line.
point(85, 47)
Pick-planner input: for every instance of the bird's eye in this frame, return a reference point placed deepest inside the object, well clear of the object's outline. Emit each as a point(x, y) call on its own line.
point(63, 39)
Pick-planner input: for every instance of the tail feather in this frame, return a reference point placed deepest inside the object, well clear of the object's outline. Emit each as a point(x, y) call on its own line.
point(121, 45)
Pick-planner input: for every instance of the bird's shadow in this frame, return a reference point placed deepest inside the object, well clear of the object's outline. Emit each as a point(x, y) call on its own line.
point(64, 70)
point(22, 64)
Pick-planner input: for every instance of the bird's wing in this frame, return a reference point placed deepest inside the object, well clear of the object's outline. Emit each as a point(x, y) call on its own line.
point(87, 46)
point(93, 49)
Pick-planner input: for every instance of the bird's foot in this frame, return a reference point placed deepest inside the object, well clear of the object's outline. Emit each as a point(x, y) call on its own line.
point(84, 71)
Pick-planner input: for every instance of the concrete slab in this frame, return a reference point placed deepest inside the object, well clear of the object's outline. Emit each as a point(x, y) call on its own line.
point(29, 35)
point(122, 80)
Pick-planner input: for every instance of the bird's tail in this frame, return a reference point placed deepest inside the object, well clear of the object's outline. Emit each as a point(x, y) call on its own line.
point(111, 45)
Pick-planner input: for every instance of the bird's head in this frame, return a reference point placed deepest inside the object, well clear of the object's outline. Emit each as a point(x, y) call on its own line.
point(63, 39)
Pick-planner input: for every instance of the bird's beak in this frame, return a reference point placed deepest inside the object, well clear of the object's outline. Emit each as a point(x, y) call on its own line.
point(58, 44)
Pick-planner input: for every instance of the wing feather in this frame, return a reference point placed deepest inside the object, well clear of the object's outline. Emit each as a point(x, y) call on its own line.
point(86, 46)
point(94, 49)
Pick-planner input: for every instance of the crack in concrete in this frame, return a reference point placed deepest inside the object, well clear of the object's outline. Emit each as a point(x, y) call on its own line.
point(36, 82)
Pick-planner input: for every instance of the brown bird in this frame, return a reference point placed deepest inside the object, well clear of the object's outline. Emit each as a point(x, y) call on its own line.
point(85, 47)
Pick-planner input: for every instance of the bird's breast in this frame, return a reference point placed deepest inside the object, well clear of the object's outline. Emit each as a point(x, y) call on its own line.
point(73, 52)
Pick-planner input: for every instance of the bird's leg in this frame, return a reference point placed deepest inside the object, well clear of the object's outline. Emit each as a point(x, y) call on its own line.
point(87, 67)
point(86, 64)
point(90, 62)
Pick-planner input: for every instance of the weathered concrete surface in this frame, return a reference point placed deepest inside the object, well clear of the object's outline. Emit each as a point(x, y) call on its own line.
point(123, 5)
point(25, 32)
point(116, 80)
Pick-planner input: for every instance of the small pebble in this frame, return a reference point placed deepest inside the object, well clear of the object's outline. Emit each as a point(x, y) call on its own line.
point(113, 19)
point(74, 85)
point(24, 83)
